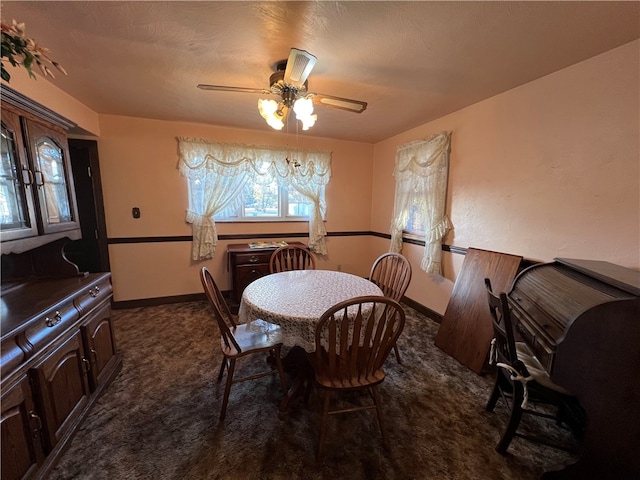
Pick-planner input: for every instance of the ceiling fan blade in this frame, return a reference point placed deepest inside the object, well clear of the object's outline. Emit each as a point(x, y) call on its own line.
point(338, 102)
point(299, 66)
point(224, 88)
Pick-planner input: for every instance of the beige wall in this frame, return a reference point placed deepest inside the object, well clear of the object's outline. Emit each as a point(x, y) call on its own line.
point(47, 94)
point(138, 161)
point(549, 169)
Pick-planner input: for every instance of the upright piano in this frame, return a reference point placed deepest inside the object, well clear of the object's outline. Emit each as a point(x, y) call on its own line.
point(582, 319)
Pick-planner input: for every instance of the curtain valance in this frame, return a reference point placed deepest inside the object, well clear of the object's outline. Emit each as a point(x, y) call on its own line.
point(199, 157)
point(423, 158)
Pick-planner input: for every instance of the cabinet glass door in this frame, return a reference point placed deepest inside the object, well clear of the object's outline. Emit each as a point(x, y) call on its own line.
point(16, 205)
point(51, 171)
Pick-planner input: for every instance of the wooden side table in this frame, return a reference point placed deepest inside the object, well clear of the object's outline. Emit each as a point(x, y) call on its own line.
point(247, 264)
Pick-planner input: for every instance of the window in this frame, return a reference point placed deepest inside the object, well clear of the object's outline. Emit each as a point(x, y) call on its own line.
point(419, 205)
point(231, 182)
point(268, 202)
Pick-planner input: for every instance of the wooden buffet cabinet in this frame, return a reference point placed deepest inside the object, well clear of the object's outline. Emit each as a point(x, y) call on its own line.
point(57, 348)
point(58, 354)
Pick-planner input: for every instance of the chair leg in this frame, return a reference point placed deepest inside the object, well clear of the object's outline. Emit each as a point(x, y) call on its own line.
point(378, 404)
point(283, 380)
point(227, 387)
point(514, 420)
point(495, 394)
point(222, 366)
point(397, 352)
point(323, 424)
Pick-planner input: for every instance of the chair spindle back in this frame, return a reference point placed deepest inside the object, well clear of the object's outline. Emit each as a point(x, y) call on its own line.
point(292, 257)
point(220, 308)
point(392, 273)
point(354, 338)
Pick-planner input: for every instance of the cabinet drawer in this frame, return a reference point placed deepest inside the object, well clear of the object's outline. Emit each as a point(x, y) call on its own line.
point(11, 356)
point(93, 295)
point(249, 273)
point(539, 348)
point(51, 324)
point(252, 258)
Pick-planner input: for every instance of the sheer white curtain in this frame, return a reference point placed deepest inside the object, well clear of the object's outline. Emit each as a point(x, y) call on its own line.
point(309, 179)
point(218, 172)
point(421, 173)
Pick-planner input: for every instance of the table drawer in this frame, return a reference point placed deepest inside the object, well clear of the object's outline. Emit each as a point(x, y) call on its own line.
point(93, 295)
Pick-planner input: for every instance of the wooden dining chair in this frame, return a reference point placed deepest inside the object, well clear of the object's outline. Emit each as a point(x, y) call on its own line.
point(522, 381)
point(238, 341)
point(392, 273)
point(292, 257)
point(352, 341)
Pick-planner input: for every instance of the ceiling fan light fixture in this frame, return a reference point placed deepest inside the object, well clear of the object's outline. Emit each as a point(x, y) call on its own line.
point(289, 82)
point(303, 107)
point(272, 112)
point(308, 121)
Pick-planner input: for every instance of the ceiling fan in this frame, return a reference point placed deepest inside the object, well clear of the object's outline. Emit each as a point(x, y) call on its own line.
point(289, 83)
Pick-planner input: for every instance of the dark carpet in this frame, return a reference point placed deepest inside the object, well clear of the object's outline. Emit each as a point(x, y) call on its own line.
point(159, 418)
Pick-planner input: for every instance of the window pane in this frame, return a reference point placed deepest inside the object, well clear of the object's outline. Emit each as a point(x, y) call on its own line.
point(416, 215)
point(262, 200)
point(12, 200)
point(298, 205)
point(50, 160)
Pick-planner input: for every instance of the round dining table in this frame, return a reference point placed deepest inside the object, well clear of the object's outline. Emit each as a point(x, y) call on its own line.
point(296, 300)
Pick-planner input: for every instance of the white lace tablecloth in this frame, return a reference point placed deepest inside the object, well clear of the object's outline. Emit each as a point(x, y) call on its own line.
point(296, 300)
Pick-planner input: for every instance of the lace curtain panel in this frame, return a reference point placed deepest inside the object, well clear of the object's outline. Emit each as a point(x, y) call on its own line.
point(217, 173)
point(421, 173)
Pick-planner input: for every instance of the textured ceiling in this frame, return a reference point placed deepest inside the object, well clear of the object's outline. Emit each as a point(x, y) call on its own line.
point(411, 61)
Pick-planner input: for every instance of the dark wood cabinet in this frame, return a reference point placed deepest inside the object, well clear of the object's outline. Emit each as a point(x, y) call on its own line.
point(37, 197)
point(99, 345)
point(57, 348)
point(61, 386)
point(22, 451)
point(247, 264)
point(58, 354)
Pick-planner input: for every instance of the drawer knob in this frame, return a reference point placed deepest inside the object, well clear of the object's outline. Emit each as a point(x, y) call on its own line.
point(94, 291)
point(254, 258)
point(52, 322)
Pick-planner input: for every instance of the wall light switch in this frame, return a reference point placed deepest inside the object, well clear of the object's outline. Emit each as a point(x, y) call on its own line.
point(135, 211)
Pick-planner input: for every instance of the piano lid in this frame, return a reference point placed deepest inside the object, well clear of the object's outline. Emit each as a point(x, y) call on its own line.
point(616, 275)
